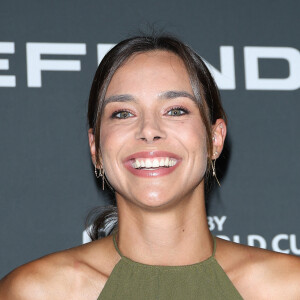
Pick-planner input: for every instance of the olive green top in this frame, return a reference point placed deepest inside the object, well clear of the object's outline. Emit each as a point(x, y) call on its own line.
point(130, 280)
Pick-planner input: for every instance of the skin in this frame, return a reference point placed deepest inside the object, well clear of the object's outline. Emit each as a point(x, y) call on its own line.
point(160, 216)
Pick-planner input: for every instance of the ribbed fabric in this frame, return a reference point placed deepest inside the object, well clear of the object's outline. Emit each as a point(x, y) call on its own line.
point(131, 280)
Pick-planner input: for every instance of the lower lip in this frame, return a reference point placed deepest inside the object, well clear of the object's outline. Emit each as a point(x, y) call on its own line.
point(150, 173)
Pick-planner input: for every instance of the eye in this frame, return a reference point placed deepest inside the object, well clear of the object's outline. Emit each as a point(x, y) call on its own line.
point(177, 111)
point(123, 114)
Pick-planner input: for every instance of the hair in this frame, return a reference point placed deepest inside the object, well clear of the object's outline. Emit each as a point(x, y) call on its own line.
point(203, 85)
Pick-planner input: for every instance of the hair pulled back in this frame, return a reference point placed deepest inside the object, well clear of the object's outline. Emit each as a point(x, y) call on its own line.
point(202, 83)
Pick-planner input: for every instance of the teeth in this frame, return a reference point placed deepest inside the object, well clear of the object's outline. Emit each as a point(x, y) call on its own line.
point(148, 163)
point(154, 163)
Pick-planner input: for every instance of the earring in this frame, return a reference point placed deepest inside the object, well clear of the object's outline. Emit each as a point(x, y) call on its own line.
point(100, 174)
point(213, 165)
point(96, 172)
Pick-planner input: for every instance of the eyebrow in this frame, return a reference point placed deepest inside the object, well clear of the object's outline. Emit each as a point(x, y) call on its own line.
point(119, 98)
point(176, 94)
point(164, 96)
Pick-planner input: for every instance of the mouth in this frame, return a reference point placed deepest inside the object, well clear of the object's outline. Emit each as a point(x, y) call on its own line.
point(152, 164)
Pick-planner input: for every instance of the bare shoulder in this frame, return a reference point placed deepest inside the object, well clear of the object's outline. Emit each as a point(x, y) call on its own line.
point(77, 273)
point(259, 273)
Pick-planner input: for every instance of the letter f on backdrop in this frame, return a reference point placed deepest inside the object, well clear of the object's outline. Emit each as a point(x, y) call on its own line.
point(35, 64)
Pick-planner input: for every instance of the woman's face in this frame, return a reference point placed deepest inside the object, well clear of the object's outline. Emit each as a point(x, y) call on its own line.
point(153, 141)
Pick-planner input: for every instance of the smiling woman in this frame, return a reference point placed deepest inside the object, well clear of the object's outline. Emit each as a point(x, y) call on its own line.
point(186, 97)
point(156, 128)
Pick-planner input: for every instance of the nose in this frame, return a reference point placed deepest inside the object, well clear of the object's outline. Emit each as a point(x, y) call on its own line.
point(150, 130)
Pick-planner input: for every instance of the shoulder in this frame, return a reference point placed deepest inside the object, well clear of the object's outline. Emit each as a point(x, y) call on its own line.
point(259, 273)
point(77, 273)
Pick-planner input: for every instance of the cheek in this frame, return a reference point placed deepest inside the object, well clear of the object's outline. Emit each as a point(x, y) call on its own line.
point(201, 152)
point(195, 142)
point(195, 138)
point(112, 140)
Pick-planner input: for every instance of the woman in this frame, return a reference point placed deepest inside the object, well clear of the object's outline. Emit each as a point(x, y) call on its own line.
point(157, 127)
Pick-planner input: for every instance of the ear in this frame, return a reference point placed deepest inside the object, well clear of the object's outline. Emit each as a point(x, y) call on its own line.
point(92, 145)
point(219, 131)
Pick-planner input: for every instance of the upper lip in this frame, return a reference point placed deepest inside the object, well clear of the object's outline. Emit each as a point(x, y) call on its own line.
point(151, 154)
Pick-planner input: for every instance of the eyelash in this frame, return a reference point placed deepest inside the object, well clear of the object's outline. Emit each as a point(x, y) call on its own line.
point(185, 112)
point(114, 114)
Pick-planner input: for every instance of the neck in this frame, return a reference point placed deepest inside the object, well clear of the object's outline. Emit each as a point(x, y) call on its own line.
point(175, 236)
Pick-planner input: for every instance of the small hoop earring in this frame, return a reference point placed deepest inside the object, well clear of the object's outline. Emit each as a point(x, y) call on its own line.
point(213, 165)
point(100, 174)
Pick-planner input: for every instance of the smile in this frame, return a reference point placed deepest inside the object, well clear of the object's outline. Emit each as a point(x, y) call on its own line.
point(147, 163)
point(152, 164)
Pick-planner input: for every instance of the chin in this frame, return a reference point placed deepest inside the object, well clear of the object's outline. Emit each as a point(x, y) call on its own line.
point(154, 199)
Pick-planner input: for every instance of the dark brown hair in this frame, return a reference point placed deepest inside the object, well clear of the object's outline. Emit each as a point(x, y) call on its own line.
point(203, 85)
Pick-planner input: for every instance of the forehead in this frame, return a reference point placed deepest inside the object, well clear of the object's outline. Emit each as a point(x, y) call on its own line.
point(158, 70)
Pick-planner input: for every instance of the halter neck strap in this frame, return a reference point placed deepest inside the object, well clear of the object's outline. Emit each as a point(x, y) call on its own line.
point(116, 245)
point(214, 246)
